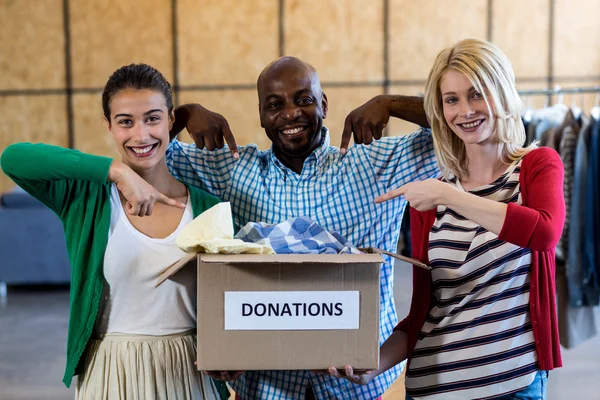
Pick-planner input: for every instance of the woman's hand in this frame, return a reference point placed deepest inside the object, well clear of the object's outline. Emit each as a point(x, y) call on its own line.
point(422, 195)
point(140, 195)
point(359, 377)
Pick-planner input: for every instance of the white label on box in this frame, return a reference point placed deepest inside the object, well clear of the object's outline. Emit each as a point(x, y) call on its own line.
point(290, 311)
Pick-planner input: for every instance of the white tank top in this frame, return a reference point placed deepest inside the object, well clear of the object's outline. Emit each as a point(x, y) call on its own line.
point(131, 303)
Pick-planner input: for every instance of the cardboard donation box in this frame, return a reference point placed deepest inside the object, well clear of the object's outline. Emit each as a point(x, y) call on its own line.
point(285, 312)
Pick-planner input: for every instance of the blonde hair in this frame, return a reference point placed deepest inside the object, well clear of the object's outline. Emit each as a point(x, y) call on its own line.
point(491, 74)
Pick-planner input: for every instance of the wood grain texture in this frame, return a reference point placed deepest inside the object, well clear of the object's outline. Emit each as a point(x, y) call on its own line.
point(420, 30)
point(342, 39)
point(91, 130)
point(577, 38)
point(32, 47)
point(520, 29)
point(107, 34)
point(227, 41)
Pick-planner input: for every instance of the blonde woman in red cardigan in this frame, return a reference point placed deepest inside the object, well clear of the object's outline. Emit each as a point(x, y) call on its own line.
point(482, 322)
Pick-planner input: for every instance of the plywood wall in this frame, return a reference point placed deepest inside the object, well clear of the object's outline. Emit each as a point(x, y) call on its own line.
point(55, 55)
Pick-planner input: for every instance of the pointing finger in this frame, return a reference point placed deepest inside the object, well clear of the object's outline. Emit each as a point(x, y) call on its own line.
point(391, 195)
point(346, 135)
point(161, 198)
point(230, 140)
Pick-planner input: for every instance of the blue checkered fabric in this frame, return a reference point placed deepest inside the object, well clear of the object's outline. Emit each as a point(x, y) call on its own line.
point(337, 192)
point(299, 235)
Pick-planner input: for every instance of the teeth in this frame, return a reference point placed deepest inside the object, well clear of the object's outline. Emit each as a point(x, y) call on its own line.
point(293, 130)
point(142, 150)
point(472, 124)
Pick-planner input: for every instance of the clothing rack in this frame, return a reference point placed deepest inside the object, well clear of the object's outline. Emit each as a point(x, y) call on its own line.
point(559, 90)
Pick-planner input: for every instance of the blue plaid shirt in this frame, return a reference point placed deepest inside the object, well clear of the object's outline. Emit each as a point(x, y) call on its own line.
point(299, 235)
point(336, 191)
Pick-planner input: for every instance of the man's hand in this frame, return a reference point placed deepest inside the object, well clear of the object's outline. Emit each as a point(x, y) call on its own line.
point(140, 195)
point(358, 377)
point(224, 375)
point(367, 122)
point(423, 195)
point(207, 128)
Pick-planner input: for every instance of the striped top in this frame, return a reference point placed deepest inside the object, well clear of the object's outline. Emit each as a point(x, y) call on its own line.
point(477, 341)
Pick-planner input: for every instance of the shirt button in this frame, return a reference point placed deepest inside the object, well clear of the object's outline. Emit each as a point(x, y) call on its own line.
point(533, 286)
point(579, 302)
point(534, 323)
point(537, 342)
point(533, 305)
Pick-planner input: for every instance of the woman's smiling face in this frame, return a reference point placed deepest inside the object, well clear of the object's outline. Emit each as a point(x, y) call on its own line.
point(465, 109)
point(140, 124)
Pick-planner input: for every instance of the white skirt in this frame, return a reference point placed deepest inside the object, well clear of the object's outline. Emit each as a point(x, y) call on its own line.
point(139, 367)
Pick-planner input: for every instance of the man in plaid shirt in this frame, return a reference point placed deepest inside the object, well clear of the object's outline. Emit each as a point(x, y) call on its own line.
point(303, 175)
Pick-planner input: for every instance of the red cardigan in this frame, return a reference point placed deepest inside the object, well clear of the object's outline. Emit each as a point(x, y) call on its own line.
point(536, 225)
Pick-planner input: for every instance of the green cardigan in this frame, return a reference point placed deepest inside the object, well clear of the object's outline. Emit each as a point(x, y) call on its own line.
point(74, 185)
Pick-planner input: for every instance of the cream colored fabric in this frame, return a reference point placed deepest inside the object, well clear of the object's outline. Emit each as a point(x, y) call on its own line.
point(138, 367)
point(212, 232)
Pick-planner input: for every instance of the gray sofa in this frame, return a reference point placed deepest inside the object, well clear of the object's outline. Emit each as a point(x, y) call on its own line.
point(32, 244)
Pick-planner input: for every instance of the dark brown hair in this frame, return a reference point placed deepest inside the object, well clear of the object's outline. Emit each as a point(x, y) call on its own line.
point(136, 76)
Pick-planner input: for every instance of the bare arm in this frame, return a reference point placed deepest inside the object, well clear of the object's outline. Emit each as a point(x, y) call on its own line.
point(408, 108)
point(393, 352)
point(489, 214)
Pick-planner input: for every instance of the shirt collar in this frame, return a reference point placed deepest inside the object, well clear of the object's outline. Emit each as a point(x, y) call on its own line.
point(314, 161)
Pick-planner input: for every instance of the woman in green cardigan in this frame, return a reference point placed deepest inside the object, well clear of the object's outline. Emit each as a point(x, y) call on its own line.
point(127, 339)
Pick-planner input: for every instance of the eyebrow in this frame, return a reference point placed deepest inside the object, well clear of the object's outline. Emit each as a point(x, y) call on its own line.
point(146, 113)
point(454, 93)
point(302, 91)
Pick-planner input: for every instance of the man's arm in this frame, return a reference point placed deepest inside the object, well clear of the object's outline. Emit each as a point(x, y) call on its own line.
point(368, 121)
point(408, 108)
point(208, 170)
point(207, 128)
point(397, 160)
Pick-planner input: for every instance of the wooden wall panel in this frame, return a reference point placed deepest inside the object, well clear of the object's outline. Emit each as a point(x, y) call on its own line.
point(32, 47)
point(521, 29)
point(419, 30)
point(342, 39)
point(239, 107)
point(341, 102)
point(91, 130)
point(227, 41)
point(577, 38)
point(31, 119)
point(230, 42)
point(107, 34)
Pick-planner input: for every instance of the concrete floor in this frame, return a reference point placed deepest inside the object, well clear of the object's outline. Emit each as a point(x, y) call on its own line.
point(33, 327)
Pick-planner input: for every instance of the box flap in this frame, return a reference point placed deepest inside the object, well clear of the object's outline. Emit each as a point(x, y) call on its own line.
point(175, 267)
point(291, 258)
point(413, 261)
